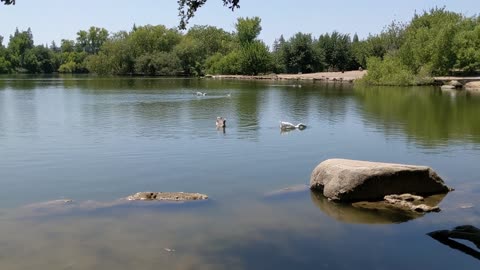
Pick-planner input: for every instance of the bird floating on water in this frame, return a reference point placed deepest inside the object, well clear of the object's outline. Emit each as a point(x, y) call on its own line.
point(290, 126)
point(221, 122)
point(200, 94)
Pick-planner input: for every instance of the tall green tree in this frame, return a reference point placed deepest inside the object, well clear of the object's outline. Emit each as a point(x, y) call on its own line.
point(211, 39)
point(429, 41)
point(248, 29)
point(92, 40)
point(337, 49)
point(301, 54)
point(279, 55)
point(191, 56)
point(46, 60)
point(467, 47)
point(5, 66)
point(115, 56)
point(148, 39)
point(254, 58)
point(20, 43)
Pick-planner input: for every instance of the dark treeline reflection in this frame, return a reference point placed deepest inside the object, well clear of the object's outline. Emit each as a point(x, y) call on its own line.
point(429, 116)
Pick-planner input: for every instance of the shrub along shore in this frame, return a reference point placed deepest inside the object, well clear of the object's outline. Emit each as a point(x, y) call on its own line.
point(434, 43)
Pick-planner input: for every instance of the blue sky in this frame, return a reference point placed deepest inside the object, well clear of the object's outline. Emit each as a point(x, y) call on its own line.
point(57, 19)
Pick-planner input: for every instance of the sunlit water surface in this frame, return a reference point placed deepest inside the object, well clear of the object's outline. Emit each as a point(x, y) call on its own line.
point(98, 140)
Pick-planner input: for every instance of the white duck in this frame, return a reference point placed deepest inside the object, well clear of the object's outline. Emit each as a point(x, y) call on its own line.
point(290, 126)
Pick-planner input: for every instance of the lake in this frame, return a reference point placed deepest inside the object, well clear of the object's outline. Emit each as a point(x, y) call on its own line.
point(97, 140)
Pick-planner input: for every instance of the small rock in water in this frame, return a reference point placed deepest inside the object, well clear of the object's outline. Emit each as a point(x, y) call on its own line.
point(447, 87)
point(166, 196)
point(405, 197)
point(407, 202)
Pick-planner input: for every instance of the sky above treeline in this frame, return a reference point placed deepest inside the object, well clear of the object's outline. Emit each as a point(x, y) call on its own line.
point(53, 20)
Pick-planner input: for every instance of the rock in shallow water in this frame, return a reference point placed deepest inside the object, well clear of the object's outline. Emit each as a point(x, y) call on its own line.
point(409, 202)
point(447, 87)
point(354, 180)
point(473, 86)
point(166, 196)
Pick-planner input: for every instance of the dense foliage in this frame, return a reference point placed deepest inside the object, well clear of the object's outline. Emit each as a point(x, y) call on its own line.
point(437, 42)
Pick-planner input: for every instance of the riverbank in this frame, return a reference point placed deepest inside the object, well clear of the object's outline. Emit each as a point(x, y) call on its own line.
point(343, 77)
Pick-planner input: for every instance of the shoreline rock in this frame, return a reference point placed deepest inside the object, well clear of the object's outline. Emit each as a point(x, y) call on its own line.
point(473, 86)
point(355, 180)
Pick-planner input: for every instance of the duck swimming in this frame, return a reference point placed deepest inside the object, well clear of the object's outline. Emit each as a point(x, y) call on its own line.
point(290, 126)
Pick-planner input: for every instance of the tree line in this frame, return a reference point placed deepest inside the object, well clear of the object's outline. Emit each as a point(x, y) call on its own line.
point(436, 42)
point(158, 50)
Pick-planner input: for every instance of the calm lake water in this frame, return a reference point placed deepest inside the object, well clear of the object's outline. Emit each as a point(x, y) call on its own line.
point(98, 140)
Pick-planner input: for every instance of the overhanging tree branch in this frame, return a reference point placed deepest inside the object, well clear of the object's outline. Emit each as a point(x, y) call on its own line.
point(8, 2)
point(187, 9)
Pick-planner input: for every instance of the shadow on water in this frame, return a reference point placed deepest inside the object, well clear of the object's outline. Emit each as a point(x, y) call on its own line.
point(367, 213)
point(466, 232)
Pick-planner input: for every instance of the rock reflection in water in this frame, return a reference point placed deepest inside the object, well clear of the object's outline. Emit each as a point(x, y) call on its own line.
point(368, 212)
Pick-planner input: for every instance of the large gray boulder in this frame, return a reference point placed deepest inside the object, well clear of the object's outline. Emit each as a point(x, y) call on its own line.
point(354, 180)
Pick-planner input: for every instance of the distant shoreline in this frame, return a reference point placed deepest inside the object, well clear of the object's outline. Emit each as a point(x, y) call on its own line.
point(336, 77)
point(342, 77)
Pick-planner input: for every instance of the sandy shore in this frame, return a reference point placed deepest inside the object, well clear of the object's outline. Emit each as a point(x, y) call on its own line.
point(347, 76)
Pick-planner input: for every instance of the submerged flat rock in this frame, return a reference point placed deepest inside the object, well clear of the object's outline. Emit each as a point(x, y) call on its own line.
point(379, 212)
point(286, 191)
point(355, 180)
point(166, 196)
